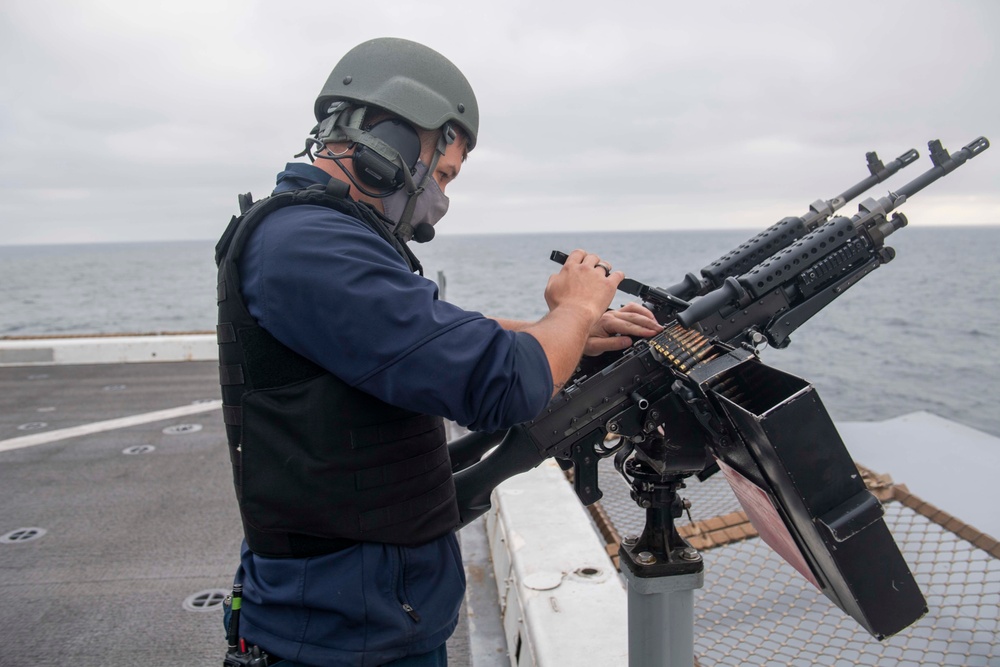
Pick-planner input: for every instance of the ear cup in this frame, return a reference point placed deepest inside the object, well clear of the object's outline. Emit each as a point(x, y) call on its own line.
point(374, 169)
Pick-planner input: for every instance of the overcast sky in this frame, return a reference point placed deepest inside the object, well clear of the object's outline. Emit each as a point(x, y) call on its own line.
point(132, 121)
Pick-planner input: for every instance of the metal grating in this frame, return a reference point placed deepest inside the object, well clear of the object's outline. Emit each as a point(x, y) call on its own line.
point(755, 610)
point(710, 498)
point(138, 449)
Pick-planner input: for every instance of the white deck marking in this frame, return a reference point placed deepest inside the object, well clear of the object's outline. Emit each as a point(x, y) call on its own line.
point(108, 425)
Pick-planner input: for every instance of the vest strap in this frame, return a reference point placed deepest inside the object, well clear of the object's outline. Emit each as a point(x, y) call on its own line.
point(225, 333)
point(231, 374)
point(232, 415)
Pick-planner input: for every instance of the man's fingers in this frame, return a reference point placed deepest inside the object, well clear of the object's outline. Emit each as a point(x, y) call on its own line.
point(619, 322)
point(635, 318)
point(596, 346)
point(633, 307)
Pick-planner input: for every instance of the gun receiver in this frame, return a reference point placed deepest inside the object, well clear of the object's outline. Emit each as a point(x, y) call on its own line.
point(696, 397)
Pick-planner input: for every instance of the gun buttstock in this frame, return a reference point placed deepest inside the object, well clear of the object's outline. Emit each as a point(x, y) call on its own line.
point(468, 449)
point(515, 454)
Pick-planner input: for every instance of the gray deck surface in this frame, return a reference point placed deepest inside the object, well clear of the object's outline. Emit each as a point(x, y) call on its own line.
point(129, 537)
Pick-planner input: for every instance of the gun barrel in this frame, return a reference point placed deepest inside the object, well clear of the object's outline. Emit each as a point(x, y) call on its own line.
point(786, 231)
point(870, 211)
point(943, 164)
point(879, 173)
point(841, 236)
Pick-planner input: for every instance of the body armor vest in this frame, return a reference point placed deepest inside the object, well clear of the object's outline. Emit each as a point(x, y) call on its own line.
point(319, 465)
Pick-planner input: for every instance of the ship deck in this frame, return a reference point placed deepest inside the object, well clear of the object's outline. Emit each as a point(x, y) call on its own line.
point(123, 473)
point(119, 535)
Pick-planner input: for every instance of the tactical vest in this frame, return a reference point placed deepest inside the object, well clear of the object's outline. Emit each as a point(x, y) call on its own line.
point(319, 465)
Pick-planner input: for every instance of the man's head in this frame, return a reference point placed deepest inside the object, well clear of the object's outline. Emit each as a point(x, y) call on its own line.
point(405, 117)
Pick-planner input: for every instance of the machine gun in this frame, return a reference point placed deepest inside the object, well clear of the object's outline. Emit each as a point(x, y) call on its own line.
point(696, 398)
point(779, 235)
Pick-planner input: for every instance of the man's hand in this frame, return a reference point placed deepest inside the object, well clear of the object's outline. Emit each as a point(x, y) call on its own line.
point(585, 284)
point(577, 296)
point(616, 327)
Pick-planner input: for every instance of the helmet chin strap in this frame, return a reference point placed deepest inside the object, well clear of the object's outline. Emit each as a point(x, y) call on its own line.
point(423, 231)
point(344, 124)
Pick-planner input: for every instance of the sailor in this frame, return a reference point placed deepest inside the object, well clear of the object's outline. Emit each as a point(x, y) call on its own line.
point(339, 361)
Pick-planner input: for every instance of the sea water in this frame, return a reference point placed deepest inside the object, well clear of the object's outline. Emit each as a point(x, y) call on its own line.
point(920, 333)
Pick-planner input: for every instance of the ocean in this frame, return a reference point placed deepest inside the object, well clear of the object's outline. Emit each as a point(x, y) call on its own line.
point(920, 333)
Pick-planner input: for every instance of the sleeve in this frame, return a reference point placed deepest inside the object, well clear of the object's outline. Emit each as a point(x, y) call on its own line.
point(330, 288)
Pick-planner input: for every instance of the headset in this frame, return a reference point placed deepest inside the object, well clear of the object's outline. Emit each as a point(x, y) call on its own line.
point(375, 169)
point(384, 159)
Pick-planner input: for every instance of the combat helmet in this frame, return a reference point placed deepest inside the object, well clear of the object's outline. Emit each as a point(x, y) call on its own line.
point(407, 79)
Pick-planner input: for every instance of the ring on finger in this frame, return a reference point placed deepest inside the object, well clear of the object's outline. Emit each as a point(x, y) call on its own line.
point(605, 266)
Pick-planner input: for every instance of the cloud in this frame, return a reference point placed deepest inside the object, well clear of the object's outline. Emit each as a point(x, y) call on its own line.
point(125, 121)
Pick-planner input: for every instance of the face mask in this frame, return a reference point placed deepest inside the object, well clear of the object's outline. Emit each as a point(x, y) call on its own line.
point(430, 206)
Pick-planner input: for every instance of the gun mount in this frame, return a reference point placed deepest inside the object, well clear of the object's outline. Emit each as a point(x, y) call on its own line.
point(696, 398)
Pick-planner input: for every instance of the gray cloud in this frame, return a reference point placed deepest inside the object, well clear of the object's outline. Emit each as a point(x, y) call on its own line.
point(125, 122)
